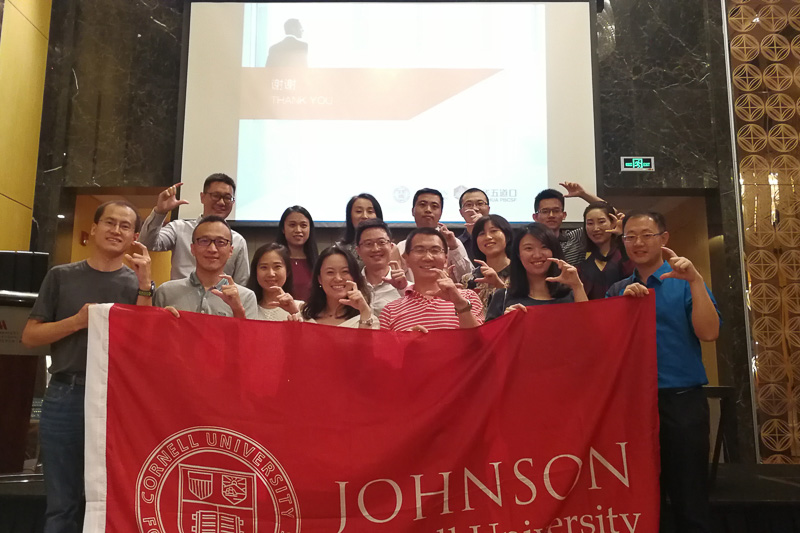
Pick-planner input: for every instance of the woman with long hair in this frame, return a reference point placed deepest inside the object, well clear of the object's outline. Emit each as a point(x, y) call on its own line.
point(296, 232)
point(539, 274)
point(606, 261)
point(492, 237)
point(361, 207)
point(338, 294)
point(271, 281)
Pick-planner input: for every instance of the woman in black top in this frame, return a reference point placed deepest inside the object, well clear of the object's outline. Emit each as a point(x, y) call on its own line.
point(606, 262)
point(491, 248)
point(539, 274)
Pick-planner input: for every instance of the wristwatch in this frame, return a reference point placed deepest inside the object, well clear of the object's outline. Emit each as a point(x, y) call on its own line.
point(464, 309)
point(150, 292)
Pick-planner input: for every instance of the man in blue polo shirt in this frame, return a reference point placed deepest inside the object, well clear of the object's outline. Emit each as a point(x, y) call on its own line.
point(686, 313)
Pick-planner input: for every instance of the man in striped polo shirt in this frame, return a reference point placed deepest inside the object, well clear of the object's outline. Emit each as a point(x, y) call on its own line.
point(433, 302)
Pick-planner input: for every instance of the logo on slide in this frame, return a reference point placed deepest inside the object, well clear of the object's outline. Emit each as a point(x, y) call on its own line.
point(214, 480)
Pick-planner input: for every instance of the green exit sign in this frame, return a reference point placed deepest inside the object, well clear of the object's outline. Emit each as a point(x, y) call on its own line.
point(637, 163)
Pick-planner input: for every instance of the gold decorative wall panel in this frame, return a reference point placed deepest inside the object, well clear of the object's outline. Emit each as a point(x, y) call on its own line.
point(764, 44)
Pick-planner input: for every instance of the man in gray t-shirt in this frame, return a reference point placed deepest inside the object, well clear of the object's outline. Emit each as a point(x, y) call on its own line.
point(60, 317)
point(208, 289)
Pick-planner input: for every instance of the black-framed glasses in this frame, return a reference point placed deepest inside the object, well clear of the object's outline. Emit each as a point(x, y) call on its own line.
point(227, 198)
point(205, 242)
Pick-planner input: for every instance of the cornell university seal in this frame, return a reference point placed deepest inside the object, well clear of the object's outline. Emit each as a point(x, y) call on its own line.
point(214, 480)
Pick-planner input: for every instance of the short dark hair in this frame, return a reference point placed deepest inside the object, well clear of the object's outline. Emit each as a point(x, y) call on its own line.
point(219, 177)
point(252, 281)
point(124, 203)
point(349, 228)
point(518, 280)
point(472, 189)
point(428, 191)
point(310, 247)
point(547, 194)
point(424, 231)
point(502, 224)
point(208, 220)
point(372, 223)
point(658, 218)
point(317, 300)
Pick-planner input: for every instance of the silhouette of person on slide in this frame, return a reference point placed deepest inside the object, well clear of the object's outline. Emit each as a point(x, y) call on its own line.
point(291, 51)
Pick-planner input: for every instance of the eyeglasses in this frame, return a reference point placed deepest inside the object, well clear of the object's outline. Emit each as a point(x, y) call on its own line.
point(548, 212)
point(646, 237)
point(227, 198)
point(433, 250)
point(473, 205)
point(110, 223)
point(205, 242)
point(380, 243)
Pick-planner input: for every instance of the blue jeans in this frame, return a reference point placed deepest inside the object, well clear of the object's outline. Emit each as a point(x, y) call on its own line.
point(61, 436)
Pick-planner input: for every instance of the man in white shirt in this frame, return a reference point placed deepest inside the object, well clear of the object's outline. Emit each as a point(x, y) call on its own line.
point(427, 211)
point(217, 199)
point(385, 279)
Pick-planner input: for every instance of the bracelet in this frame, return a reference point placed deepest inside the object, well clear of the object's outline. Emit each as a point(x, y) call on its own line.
point(466, 308)
point(367, 322)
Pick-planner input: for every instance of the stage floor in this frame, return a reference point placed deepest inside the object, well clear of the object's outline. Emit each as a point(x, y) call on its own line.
point(745, 499)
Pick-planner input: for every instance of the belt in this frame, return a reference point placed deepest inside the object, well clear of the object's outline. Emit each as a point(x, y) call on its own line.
point(70, 379)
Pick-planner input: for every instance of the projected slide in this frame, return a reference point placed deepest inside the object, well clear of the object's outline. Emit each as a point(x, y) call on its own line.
point(389, 98)
point(328, 100)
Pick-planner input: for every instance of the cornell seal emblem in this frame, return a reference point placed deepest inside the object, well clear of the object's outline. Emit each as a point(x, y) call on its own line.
point(214, 480)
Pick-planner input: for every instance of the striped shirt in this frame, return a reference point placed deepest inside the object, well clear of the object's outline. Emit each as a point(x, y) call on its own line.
point(414, 309)
point(573, 244)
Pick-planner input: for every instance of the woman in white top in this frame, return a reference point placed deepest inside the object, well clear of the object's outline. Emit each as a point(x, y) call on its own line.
point(338, 294)
point(271, 280)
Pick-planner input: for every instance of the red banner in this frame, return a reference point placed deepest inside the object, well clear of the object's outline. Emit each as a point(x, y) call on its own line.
point(544, 421)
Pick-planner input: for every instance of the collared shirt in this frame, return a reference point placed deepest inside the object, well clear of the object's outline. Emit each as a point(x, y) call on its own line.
point(414, 309)
point(455, 256)
point(466, 240)
point(177, 236)
point(380, 294)
point(573, 244)
point(680, 361)
point(188, 294)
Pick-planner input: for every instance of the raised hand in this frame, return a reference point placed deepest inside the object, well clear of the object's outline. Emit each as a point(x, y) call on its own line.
point(616, 222)
point(636, 290)
point(140, 263)
point(447, 289)
point(230, 295)
point(396, 276)
point(574, 190)
point(355, 299)
point(471, 216)
point(515, 307)
point(284, 300)
point(449, 236)
point(490, 276)
point(568, 276)
point(168, 200)
point(682, 268)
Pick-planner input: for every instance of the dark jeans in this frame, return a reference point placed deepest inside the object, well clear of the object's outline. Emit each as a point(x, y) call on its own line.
point(684, 457)
point(61, 435)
